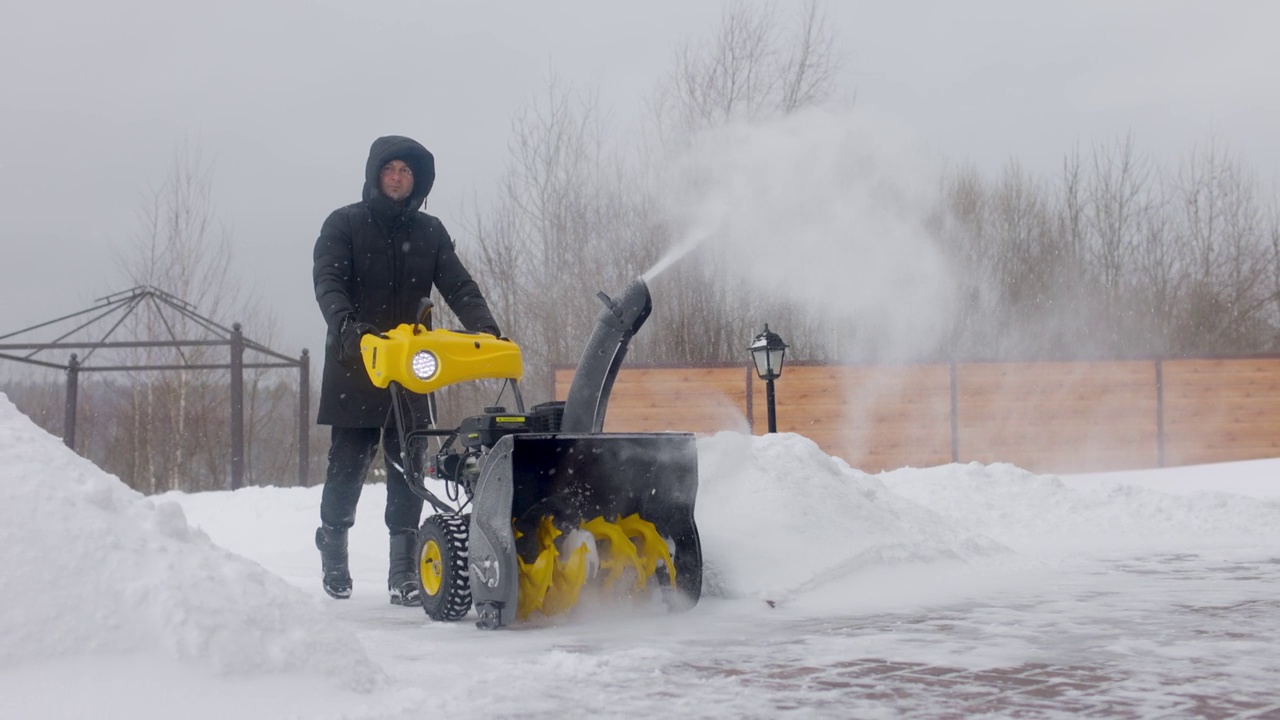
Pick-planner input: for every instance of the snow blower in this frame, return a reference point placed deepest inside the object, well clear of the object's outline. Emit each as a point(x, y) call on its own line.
point(546, 506)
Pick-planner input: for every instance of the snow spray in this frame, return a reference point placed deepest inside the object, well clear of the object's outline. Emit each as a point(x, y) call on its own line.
point(823, 210)
point(676, 252)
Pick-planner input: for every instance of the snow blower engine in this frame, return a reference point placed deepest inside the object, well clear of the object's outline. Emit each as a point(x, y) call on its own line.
point(544, 508)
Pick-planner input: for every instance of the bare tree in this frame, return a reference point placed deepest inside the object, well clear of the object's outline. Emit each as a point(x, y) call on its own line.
point(1116, 204)
point(180, 251)
point(809, 71)
point(1158, 266)
point(1229, 268)
point(171, 426)
point(559, 229)
point(750, 69)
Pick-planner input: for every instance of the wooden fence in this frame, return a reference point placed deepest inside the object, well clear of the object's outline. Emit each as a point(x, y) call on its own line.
point(1044, 416)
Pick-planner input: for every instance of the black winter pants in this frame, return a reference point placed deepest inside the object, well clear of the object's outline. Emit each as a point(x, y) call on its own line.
point(351, 452)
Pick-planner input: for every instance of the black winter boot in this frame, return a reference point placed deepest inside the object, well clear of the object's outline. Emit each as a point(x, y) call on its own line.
point(332, 543)
point(402, 578)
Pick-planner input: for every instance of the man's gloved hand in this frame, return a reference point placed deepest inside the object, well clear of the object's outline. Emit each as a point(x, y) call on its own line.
point(350, 334)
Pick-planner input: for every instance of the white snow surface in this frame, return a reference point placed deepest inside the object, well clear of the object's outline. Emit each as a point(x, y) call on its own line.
point(1025, 510)
point(209, 605)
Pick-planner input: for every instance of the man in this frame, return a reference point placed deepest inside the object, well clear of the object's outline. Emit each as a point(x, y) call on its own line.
point(374, 262)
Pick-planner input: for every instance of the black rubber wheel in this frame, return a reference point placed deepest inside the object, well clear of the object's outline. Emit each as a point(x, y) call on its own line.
point(444, 581)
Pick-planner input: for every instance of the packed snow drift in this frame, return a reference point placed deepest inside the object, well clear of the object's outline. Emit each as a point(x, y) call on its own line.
point(94, 568)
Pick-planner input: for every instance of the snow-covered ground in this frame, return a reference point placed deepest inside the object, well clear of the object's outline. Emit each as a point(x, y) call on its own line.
point(956, 590)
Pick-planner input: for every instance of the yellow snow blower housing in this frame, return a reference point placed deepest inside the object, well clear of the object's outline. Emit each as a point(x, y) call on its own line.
point(424, 361)
point(544, 506)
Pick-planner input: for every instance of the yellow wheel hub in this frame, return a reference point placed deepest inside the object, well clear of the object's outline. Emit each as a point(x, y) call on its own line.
point(430, 568)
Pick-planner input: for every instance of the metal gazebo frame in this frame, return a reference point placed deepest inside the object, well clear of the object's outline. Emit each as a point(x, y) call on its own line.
point(125, 303)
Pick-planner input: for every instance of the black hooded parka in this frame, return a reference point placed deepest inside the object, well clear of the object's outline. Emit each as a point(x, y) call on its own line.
point(374, 261)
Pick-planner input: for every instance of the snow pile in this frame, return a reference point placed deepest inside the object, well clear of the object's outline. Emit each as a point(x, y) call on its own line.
point(1024, 509)
point(93, 568)
point(778, 517)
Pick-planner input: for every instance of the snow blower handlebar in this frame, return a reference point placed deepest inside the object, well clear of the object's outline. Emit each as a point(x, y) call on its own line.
point(423, 361)
point(424, 310)
point(413, 360)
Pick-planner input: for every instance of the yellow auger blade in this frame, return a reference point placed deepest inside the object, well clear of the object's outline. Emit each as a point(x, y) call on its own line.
point(536, 577)
point(567, 582)
point(621, 555)
point(553, 585)
point(652, 547)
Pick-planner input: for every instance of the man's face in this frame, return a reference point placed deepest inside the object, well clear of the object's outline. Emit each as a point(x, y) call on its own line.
point(396, 180)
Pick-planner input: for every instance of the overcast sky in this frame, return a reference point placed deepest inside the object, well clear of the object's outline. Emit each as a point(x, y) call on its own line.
point(285, 96)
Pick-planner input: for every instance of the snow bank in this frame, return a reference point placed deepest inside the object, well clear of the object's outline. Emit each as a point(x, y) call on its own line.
point(1255, 478)
point(1023, 509)
point(778, 517)
point(94, 568)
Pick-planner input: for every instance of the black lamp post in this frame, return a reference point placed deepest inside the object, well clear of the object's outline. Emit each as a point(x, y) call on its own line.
point(768, 351)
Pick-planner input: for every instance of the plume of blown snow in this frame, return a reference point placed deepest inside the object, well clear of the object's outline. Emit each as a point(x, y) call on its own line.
point(94, 568)
point(837, 201)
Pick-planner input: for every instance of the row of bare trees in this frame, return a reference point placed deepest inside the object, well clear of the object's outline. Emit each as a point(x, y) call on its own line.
point(1114, 256)
point(1118, 257)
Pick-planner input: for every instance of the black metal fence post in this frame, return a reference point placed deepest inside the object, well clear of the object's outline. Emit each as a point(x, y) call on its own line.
point(237, 407)
point(304, 419)
point(69, 414)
